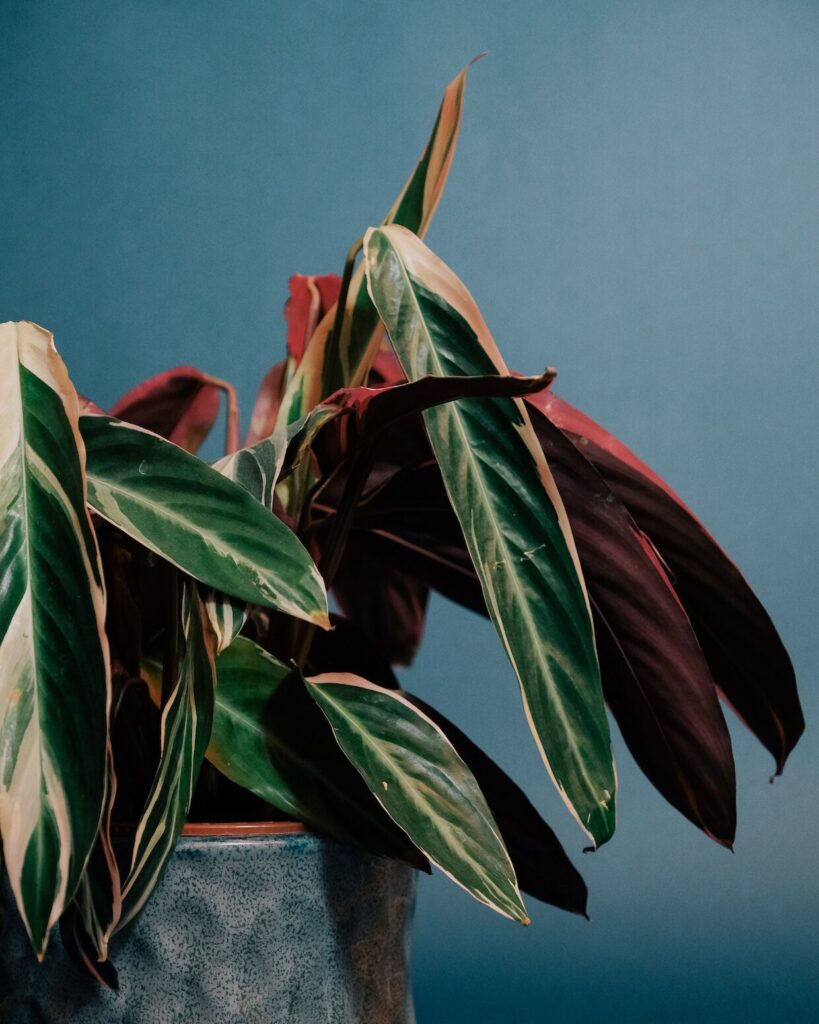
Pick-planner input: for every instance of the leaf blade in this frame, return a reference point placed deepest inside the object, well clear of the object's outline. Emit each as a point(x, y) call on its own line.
point(269, 737)
point(541, 865)
point(187, 721)
point(55, 686)
point(747, 658)
point(324, 368)
point(512, 518)
point(416, 775)
point(199, 520)
point(655, 678)
point(180, 404)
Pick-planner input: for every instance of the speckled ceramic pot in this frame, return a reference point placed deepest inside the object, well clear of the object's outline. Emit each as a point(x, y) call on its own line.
point(277, 928)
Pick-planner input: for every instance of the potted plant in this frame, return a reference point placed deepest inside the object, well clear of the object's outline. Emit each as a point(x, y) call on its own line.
point(168, 666)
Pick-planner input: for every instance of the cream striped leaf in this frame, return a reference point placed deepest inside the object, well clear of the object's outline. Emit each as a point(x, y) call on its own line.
point(326, 368)
point(198, 519)
point(418, 777)
point(512, 517)
point(226, 615)
point(270, 737)
point(98, 902)
point(187, 720)
point(258, 468)
point(54, 672)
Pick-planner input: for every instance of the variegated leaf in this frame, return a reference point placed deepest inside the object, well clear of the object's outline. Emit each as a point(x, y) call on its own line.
point(328, 366)
point(54, 672)
point(417, 776)
point(187, 720)
point(199, 520)
point(256, 469)
point(227, 615)
point(541, 865)
point(97, 903)
point(512, 518)
point(269, 737)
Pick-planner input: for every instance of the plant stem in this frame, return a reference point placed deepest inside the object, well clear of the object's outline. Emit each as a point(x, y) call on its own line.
point(231, 415)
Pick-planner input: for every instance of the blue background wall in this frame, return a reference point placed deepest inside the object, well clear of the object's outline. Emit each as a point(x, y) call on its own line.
point(635, 201)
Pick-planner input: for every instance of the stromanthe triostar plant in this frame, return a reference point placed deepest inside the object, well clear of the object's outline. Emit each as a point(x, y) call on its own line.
point(166, 651)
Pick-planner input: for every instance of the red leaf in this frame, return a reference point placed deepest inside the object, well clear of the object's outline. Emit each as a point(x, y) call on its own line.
point(655, 678)
point(311, 296)
point(746, 656)
point(180, 405)
point(386, 368)
point(266, 406)
point(365, 411)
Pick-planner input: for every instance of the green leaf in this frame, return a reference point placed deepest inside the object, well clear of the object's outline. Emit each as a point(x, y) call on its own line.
point(198, 519)
point(512, 518)
point(417, 776)
point(187, 719)
point(326, 366)
point(270, 737)
point(227, 615)
point(54, 674)
point(256, 469)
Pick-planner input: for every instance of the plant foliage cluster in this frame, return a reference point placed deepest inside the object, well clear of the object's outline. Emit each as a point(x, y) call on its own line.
point(166, 651)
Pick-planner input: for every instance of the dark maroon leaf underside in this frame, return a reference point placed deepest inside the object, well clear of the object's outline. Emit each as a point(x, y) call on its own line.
point(746, 656)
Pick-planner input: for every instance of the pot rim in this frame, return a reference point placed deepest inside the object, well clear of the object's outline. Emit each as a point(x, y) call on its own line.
point(238, 829)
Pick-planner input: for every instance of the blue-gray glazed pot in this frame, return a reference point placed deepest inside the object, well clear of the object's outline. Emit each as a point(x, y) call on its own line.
point(282, 928)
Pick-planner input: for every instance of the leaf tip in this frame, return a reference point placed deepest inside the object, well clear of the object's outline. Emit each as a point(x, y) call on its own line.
point(321, 619)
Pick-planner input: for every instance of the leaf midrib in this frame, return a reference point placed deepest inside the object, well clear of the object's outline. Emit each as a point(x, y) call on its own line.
point(452, 410)
point(418, 802)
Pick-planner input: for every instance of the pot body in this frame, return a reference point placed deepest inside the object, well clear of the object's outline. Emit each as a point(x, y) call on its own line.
point(261, 929)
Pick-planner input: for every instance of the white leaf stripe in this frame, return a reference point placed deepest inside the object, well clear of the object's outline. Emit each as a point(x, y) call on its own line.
point(512, 517)
point(418, 777)
point(54, 674)
point(226, 616)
